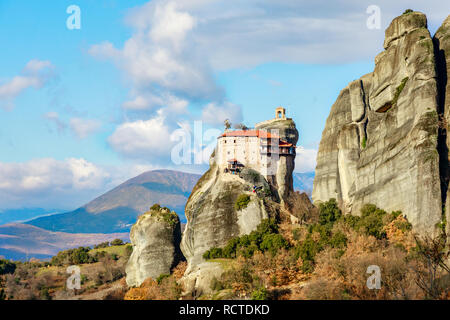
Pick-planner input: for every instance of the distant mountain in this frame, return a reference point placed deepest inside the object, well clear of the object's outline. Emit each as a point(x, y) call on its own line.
point(118, 209)
point(22, 241)
point(23, 214)
point(303, 181)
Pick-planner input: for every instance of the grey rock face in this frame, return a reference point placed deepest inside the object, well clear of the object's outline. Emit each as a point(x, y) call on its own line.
point(380, 142)
point(212, 216)
point(283, 179)
point(156, 240)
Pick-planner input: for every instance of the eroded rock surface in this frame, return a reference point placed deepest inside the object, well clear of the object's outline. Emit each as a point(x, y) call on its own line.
point(287, 131)
point(380, 142)
point(156, 240)
point(211, 213)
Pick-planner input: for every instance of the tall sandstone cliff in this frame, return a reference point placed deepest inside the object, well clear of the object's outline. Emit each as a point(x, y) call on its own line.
point(384, 140)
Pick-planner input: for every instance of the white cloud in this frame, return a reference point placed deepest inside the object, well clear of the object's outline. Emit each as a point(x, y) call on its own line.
point(82, 128)
point(142, 138)
point(216, 114)
point(35, 74)
point(235, 33)
point(50, 183)
point(159, 57)
point(148, 101)
point(305, 160)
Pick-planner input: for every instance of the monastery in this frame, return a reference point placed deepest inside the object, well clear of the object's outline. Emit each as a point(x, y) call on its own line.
point(257, 149)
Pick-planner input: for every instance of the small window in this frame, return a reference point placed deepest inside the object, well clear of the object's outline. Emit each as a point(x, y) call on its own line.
point(234, 141)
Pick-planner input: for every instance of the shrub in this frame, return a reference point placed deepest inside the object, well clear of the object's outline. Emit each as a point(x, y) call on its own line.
point(213, 253)
point(371, 221)
point(73, 256)
point(296, 233)
point(7, 267)
point(161, 277)
point(102, 245)
point(114, 256)
point(117, 242)
point(264, 238)
point(229, 251)
point(408, 11)
point(307, 251)
point(403, 225)
point(155, 207)
point(242, 202)
point(399, 90)
point(267, 226)
point(168, 289)
point(260, 294)
point(339, 240)
point(170, 217)
point(329, 212)
point(273, 243)
point(128, 250)
point(351, 221)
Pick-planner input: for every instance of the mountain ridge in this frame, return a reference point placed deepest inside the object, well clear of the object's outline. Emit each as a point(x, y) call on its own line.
point(117, 209)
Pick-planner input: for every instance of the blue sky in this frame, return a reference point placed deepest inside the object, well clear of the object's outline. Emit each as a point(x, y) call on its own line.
point(83, 110)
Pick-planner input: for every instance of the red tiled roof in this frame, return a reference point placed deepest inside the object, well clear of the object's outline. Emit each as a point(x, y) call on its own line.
point(249, 133)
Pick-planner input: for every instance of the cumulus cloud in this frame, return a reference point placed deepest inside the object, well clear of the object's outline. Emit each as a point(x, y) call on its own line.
point(148, 101)
point(216, 114)
point(234, 34)
point(305, 160)
point(82, 128)
point(63, 183)
point(159, 57)
point(142, 138)
point(35, 74)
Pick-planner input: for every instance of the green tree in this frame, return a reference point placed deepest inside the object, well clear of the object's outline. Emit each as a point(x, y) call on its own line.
point(242, 202)
point(273, 242)
point(329, 212)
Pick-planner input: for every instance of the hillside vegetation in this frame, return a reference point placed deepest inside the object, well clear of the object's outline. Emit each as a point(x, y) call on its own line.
point(328, 259)
point(102, 271)
point(325, 257)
